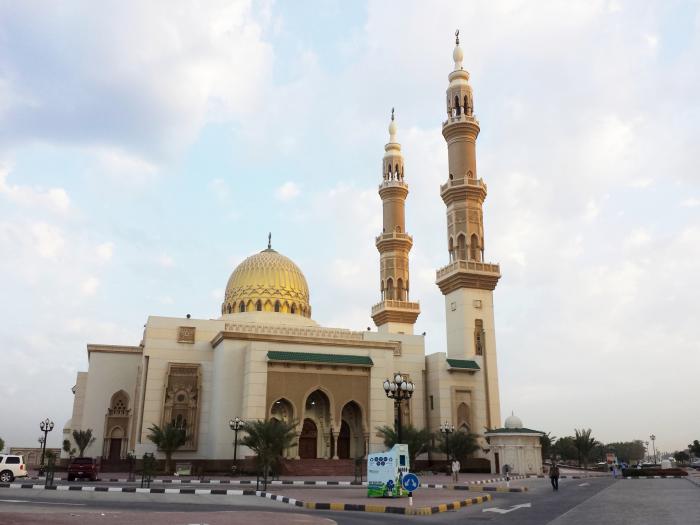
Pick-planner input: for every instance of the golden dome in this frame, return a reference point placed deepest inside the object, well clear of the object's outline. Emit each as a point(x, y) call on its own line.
point(268, 282)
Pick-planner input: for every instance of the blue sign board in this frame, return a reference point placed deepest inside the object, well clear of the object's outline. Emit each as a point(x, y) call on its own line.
point(410, 482)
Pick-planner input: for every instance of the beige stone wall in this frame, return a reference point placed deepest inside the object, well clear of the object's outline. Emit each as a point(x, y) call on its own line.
point(107, 374)
point(463, 307)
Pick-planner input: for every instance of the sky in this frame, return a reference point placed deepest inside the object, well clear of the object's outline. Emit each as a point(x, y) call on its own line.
point(146, 148)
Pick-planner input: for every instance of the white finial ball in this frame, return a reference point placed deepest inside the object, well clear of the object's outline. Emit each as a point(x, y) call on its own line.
point(458, 56)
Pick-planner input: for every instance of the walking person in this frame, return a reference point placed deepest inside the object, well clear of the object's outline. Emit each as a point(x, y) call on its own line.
point(554, 476)
point(456, 466)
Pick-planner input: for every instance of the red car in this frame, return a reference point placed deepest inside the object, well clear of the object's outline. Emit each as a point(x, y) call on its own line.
point(83, 468)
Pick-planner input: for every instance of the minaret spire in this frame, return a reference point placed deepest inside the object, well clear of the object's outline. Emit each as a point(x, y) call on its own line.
point(269, 241)
point(394, 313)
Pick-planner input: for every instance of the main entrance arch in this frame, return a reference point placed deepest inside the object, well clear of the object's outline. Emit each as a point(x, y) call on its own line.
point(308, 440)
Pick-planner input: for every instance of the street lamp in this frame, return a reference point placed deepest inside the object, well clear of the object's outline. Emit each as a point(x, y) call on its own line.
point(46, 426)
point(235, 424)
point(646, 449)
point(398, 389)
point(447, 429)
point(653, 438)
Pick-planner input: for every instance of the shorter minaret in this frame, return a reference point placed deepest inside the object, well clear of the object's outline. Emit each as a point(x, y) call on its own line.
point(395, 313)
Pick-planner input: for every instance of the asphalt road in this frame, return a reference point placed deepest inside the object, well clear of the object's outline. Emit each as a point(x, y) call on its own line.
point(578, 502)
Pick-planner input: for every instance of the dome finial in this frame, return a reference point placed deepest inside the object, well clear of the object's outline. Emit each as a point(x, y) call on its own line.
point(392, 128)
point(458, 54)
point(269, 241)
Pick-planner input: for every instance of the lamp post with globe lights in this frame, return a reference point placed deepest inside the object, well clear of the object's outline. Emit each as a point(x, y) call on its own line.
point(447, 429)
point(46, 426)
point(235, 424)
point(653, 438)
point(398, 389)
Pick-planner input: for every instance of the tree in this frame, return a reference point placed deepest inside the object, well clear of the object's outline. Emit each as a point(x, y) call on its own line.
point(628, 451)
point(67, 448)
point(565, 448)
point(462, 445)
point(681, 456)
point(2, 444)
point(168, 439)
point(694, 448)
point(418, 441)
point(268, 439)
point(547, 444)
point(584, 444)
point(83, 439)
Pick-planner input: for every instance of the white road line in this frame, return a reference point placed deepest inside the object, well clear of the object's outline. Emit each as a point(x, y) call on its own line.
point(41, 502)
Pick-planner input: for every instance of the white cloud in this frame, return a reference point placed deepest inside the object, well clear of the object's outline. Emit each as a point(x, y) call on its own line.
point(638, 238)
point(90, 285)
point(221, 190)
point(288, 191)
point(691, 202)
point(48, 240)
point(53, 199)
point(105, 251)
point(166, 261)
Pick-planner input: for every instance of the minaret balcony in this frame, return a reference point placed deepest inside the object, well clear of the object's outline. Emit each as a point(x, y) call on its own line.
point(461, 189)
point(391, 310)
point(468, 274)
point(454, 119)
point(393, 241)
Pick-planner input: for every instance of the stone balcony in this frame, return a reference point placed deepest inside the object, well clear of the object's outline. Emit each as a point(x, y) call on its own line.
point(394, 311)
point(476, 183)
point(468, 274)
point(471, 119)
point(399, 305)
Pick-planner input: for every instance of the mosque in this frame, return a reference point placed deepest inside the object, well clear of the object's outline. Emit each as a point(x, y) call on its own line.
point(265, 357)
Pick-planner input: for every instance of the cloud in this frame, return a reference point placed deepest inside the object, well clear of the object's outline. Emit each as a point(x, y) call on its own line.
point(90, 285)
point(165, 260)
point(48, 240)
point(147, 90)
point(105, 251)
point(53, 199)
point(691, 202)
point(287, 192)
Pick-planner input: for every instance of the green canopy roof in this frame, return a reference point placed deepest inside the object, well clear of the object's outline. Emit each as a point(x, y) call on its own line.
point(328, 359)
point(464, 364)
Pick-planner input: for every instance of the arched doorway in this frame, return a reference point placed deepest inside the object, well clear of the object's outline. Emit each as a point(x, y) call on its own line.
point(317, 408)
point(307, 440)
point(344, 441)
point(115, 445)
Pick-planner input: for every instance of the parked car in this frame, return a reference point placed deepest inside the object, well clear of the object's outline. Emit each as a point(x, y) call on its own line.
point(695, 464)
point(12, 466)
point(83, 468)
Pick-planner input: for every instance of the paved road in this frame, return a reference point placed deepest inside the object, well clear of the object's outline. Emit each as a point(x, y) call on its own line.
point(578, 502)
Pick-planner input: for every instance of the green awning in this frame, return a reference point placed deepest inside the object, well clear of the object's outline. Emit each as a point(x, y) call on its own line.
point(326, 359)
point(463, 364)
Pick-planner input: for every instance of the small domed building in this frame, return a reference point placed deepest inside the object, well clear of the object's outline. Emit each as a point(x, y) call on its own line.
point(264, 357)
point(515, 446)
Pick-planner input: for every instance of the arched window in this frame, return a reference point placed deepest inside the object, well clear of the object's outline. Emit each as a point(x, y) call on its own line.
point(277, 306)
point(228, 308)
point(459, 110)
point(382, 290)
point(258, 306)
point(475, 253)
point(461, 247)
point(294, 308)
point(241, 307)
point(390, 289)
point(451, 249)
point(399, 290)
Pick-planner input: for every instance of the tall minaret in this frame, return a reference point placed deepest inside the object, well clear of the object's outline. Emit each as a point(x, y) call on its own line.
point(467, 282)
point(394, 313)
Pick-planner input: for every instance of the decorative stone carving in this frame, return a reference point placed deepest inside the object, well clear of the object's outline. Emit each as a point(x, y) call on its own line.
point(185, 334)
point(181, 406)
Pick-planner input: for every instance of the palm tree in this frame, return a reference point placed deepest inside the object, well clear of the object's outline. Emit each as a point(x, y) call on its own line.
point(584, 444)
point(168, 439)
point(461, 445)
point(268, 439)
point(418, 441)
point(547, 443)
point(83, 439)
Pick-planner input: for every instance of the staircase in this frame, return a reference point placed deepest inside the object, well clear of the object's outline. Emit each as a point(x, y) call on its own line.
point(319, 467)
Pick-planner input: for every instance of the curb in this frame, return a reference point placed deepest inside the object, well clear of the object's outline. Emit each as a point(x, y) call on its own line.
point(408, 511)
point(490, 489)
point(655, 477)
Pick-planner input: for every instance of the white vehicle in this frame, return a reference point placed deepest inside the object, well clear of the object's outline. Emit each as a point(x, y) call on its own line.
point(11, 467)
